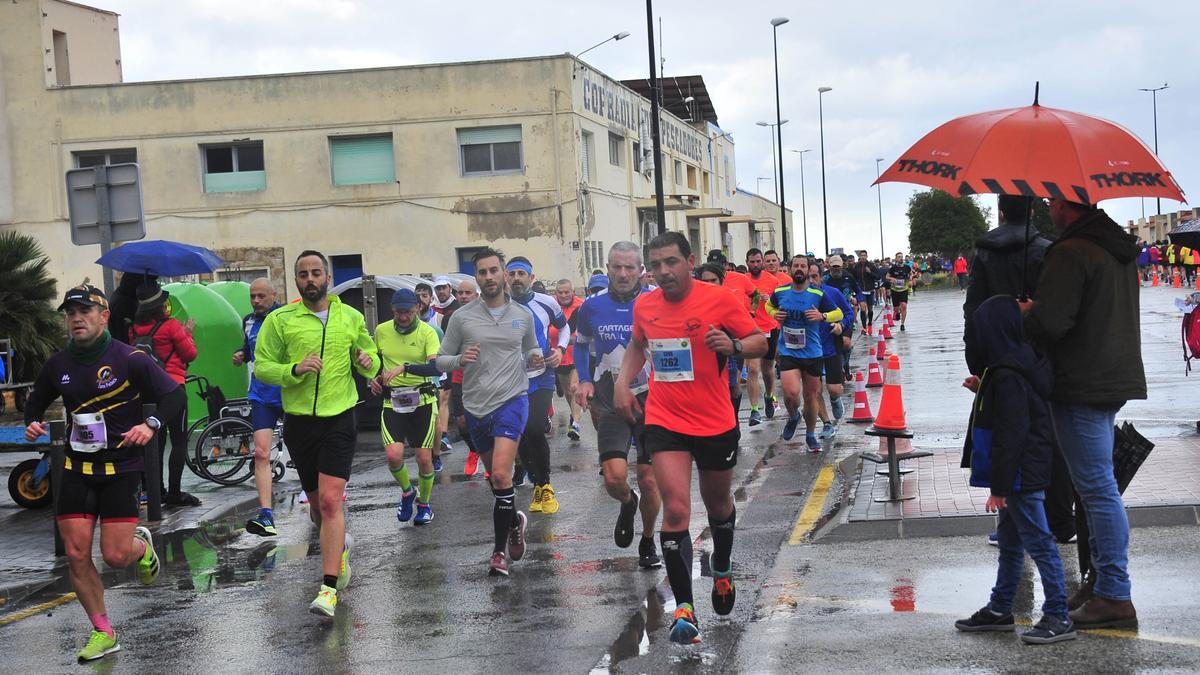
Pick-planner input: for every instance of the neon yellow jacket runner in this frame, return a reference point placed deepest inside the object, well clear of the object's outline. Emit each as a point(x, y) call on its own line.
point(292, 332)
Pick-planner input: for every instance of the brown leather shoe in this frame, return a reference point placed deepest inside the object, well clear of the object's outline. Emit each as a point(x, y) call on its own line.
point(1100, 612)
point(1081, 596)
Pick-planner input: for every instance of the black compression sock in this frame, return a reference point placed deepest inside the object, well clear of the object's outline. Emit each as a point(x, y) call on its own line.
point(503, 515)
point(722, 536)
point(677, 556)
point(330, 580)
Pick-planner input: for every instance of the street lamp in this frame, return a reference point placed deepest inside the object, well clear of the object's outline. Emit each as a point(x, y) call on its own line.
point(770, 127)
point(821, 123)
point(619, 36)
point(1154, 100)
point(760, 180)
point(879, 196)
point(803, 206)
point(787, 243)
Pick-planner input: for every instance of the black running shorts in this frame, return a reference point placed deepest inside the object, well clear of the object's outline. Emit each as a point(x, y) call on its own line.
point(711, 453)
point(111, 499)
point(320, 445)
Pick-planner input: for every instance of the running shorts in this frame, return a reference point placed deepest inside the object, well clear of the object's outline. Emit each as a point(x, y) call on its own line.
point(109, 498)
point(812, 367)
point(614, 433)
point(772, 345)
point(320, 445)
point(834, 369)
point(416, 429)
point(711, 453)
point(263, 416)
point(899, 298)
point(507, 421)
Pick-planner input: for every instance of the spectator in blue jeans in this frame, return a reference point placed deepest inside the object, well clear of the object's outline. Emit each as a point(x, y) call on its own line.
point(1086, 319)
point(1010, 443)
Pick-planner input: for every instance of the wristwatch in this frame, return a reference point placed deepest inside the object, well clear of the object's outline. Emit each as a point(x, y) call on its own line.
point(737, 347)
point(153, 423)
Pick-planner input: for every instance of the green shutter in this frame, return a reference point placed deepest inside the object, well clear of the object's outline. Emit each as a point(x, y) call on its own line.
point(489, 135)
point(238, 181)
point(361, 160)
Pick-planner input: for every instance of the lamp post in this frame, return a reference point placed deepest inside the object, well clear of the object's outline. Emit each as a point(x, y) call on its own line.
point(787, 242)
point(879, 196)
point(803, 206)
point(774, 162)
point(660, 211)
point(821, 123)
point(1154, 101)
point(619, 36)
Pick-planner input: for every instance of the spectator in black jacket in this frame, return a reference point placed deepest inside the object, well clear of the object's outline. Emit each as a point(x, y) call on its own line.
point(123, 304)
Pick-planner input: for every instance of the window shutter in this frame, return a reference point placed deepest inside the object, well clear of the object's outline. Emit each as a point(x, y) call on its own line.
point(362, 160)
point(489, 135)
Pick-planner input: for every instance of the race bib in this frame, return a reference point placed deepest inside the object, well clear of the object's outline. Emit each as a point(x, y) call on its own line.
point(672, 358)
point(406, 400)
point(794, 338)
point(88, 432)
point(899, 285)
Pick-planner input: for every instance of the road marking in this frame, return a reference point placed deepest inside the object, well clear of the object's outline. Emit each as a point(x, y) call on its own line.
point(1135, 635)
point(812, 507)
point(36, 609)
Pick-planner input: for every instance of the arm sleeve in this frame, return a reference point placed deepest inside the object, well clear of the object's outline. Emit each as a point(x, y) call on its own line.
point(1011, 412)
point(271, 364)
point(43, 394)
point(1060, 289)
point(830, 308)
point(423, 369)
point(450, 351)
point(772, 305)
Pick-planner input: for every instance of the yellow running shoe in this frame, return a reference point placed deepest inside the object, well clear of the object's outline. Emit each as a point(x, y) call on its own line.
point(326, 602)
point(99, 645)
point(343, 579)
point(147, 565)
point(535, 505)
point(549, 503)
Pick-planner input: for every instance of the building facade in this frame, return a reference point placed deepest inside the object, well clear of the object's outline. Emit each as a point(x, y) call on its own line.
point(405, 170)
point(1157, 227)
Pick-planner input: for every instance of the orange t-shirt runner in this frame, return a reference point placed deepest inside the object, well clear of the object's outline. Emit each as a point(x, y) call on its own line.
point(691, 395)
point(568, 359)
point(739, 284)
point(766, 283)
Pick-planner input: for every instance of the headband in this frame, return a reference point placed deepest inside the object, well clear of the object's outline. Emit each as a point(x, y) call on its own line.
point(520, 265)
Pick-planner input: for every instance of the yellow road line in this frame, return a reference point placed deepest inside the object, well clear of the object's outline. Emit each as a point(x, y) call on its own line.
point(1135, 635)
point(812, 507)
point(36, 609)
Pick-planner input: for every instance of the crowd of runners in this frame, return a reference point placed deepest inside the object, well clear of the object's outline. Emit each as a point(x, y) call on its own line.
point(656, 357)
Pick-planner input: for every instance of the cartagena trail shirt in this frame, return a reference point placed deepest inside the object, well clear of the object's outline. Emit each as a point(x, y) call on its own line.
point(603, 325)
point(506, 340)
point(261, 392)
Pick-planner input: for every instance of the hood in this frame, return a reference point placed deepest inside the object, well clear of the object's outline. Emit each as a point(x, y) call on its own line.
point(998, 330)
point(1007, 237)
point(1102, 231)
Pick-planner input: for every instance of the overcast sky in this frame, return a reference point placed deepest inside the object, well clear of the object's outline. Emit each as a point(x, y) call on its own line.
point(898, 69)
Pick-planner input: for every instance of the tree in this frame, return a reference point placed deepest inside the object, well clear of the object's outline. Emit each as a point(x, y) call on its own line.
point(940, 223)
point(27, 296)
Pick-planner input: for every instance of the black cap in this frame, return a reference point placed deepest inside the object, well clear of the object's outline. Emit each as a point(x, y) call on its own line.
point(86, 295)
point(151, 295)
point(716, 255)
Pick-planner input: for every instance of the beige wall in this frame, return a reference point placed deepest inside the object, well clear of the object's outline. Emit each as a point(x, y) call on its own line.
point(92, 43)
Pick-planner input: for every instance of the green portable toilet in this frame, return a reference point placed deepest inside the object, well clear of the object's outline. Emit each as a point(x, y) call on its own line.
point(218, 335)
point(236, 293)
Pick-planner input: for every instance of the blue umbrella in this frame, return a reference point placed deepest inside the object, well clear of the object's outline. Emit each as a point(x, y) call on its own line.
point(161, 258)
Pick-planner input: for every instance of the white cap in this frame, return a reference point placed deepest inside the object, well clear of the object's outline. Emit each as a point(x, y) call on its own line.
point(834, 260)
point(442, 281)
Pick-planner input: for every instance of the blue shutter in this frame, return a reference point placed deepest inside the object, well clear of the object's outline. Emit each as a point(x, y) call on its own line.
point(361, 160)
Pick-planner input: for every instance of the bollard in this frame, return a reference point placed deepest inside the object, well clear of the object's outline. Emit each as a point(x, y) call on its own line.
point(58, 461)
point(152, 470)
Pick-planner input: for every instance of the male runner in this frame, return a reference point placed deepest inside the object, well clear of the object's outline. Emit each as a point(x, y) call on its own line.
point(689, 329)
point(567, 378)
point(444, 303)
point(835, 345)
point(765, 283)
point(309, 348)
point(466, 293)
point(266, 407)
point(103, 384)
point(533, 446)
point(800, 309)
point(899, 278)
point(493, 341)
point(605, 323)
point(842, 279)
point(426, 313)
point(867, 276)
point(410, 410)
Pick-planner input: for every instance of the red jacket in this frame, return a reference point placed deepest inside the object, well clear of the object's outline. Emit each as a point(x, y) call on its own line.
point(172, 344)
point(960, 265)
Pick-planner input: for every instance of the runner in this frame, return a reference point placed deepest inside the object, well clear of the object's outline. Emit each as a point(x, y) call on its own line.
point(466, 293)
point(848, 289)
point(605, 323)
point(533, 447)
point(899, 278)
point(103, 384)
point(690, 329)
point(493, 341)
point(867, 276)
point(444, 303)
point(762, 368)
point(266, 408)
point(406, 346)
point(801, 309)
point(305, 347)
point(835, 344)
point(567, 379)
point(424, 293)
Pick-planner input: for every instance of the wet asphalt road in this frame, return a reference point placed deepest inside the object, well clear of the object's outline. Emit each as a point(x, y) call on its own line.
point(421, 599)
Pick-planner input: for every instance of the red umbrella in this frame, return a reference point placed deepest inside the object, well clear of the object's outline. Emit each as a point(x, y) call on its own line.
point(1035, 152)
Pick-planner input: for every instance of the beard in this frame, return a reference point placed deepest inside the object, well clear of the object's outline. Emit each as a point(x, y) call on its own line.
point(313, 292)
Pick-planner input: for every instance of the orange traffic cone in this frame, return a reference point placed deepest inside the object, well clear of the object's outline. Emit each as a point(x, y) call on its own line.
point(1198, 282)
point(886, 333)
point(874, 377)
point(891, 317)
point(1154, 279)
point(1175, 280)
point(862, 406)
point(891, 406)
point(881, 352)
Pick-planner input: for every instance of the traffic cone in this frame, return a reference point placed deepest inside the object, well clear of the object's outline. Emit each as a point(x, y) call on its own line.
point(891, 317)
point(874, 377)
point(862, 406)
point(891, 406)
point(1198, 282)
point(1175, 280)
point(1154, 279)
point(886, 333)
point(881, 352)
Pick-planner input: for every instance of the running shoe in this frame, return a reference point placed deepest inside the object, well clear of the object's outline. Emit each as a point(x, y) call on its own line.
point(993, 540)
point(520, 476)
point(263, 527)
point(985, 620)
point(99, 644)
point(789, 429)
point(1050, 630)
point(755, 418)
point(769, 407)
point(648, 554)
point(623, 532)
point(344, 573)
point(827, 431)
point(472, 465)
point(535, 504)
point(549, 502)
point(404, 510)
point(685, 629)
point(447, 447)
point(838, 409)
point(498, 567)
point(810, 439)
point(901, 328)
point(303, 499)
point(723, 592)
point(424, 515)
point(516, 538)
point(437, 464)
point(147, 568)
point(325, 603)
point(573, 432)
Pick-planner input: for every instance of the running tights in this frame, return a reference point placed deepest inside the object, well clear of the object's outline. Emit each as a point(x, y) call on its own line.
point(534, 449)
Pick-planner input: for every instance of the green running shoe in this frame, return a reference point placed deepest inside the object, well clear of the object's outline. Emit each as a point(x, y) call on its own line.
point(344, 571)
point(98, 646)
point(147, 566)
point(325, 603)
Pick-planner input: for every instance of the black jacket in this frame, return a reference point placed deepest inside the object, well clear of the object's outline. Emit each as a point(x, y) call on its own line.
point(996, 270)
point(1087, 314)
point(1010, 437)
point(122, 306)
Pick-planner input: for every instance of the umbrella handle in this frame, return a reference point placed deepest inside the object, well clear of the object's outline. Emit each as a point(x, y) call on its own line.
point(1025, 247)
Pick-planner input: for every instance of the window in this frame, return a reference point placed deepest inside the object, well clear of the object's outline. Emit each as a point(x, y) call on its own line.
point(487, 151)
point(616, 149)
point(725, 177)
point(637, 156)
point(62, 59)
point(234, 167)
point(691, 177)
point(593, 254)
point(678, 172)
point(346, 267)
point(707, 182)
point(587, 151)
point(88, 158)
point(360, 160)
